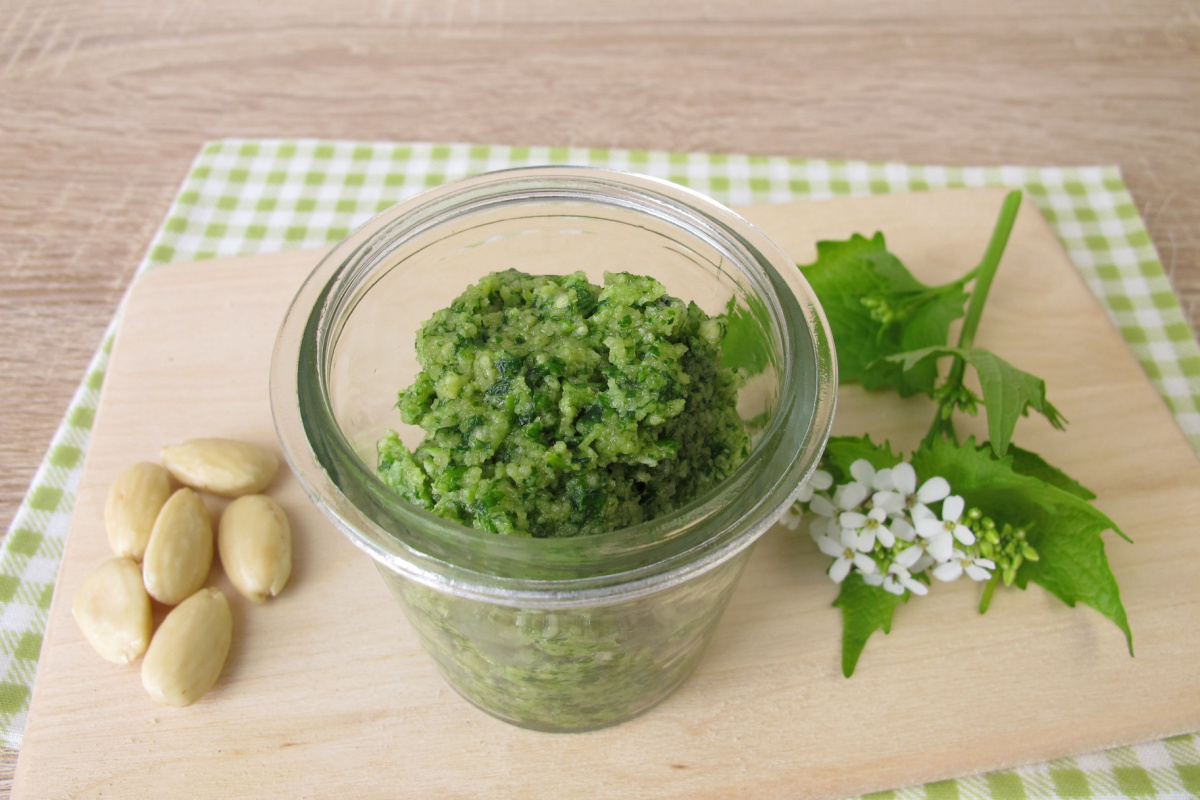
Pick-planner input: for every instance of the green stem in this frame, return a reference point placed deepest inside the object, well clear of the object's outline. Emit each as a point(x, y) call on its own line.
point(941, 428)
point(987, 268)
point(984, 273)
point(988, 591)
point(965, 279)
point(983, 284)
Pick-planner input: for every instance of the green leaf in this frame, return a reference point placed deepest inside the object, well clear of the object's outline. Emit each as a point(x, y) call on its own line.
point(1074, 567)
point(865, 609)
point(1029, 463)
point(745, 343)
point(842, 451)
point(1008, 393)
point(1064, 528)
point(929, 325)
point(877, 308)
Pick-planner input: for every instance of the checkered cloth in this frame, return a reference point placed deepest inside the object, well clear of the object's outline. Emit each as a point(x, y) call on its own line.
point(260, 196)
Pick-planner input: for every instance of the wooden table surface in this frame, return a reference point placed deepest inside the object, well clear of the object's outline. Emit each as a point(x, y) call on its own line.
point(104, 105)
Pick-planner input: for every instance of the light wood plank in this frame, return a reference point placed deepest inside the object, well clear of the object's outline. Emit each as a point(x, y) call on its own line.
point(328, 694)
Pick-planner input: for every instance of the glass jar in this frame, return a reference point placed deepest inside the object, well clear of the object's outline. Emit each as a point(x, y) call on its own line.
point(559, 634)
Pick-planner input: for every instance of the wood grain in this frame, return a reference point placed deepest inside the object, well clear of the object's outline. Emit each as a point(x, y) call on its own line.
point(103, 106)
point(364, 714)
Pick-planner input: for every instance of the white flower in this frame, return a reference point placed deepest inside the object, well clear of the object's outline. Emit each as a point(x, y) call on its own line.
point(976, 568)
point(819, 481)
point(791, 518)
point(845, 497)
point(935, 549)
point(866, 475)
point(901, 529)
point(868, 528)
point(850, 496)
point(825, 522)
point(821, 526)
point(923, 563)
point(898, 579)
point(952, 509)
point(846, 556)
point(904, 478)
point(891, 502)
point(904, 492)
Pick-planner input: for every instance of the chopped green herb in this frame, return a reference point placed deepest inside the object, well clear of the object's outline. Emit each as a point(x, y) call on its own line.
point(554, 407)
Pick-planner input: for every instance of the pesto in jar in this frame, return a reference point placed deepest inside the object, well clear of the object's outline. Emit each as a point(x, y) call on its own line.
point(554, 407)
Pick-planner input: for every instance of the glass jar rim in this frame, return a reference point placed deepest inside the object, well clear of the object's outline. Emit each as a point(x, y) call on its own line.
point(620, 564)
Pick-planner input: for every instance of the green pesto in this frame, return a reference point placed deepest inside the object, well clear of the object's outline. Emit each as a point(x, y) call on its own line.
point(570, 669)
point(554, 407)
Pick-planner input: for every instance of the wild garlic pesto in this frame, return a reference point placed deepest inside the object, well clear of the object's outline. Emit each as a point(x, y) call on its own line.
point(555, 407)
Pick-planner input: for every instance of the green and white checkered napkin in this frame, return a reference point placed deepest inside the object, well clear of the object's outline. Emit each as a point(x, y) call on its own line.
point(259, 196)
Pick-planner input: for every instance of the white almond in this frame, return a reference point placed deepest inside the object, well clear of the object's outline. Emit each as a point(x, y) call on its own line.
point(179, 554)
point(113, 610)
point(255, 542)
point(221, 466)
point(189, 649)
point(134, 500)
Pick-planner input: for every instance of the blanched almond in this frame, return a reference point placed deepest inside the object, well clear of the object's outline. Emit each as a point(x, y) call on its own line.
point(179, 554)
point(221, 466)
point(189, 649)
point(113, 610)
point(255, 543)
point(134, 500)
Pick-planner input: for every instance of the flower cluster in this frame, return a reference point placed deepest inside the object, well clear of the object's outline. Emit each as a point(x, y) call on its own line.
point(884, 526)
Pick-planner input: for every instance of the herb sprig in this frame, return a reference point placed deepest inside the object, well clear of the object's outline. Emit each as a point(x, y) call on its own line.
point(990, 511)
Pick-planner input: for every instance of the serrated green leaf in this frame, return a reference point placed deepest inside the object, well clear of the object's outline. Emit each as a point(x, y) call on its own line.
point(1028, 463)
point(1008, 393)
point(929, 325)
point(865, 609)
point(1074, 567)
point(1064, 528)
point(877, 308)
point(890, 271)
point(842, 276)
point(745, 344)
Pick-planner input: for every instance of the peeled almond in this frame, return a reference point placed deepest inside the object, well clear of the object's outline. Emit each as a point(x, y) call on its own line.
point(189, 649)
point(227, 467)
point(255, 543)
point(180, 552)
point(113, 610)
point(134, 500)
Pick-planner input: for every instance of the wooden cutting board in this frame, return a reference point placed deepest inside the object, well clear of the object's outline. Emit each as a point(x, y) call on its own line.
point(327, 693)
